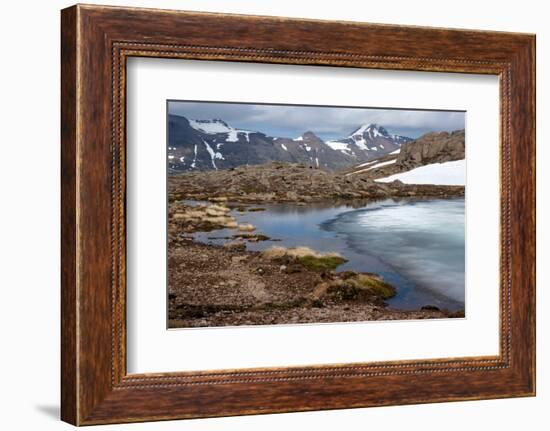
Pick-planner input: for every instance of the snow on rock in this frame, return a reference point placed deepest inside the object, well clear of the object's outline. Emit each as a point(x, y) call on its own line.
point(377, 165)
point(284, 147)
point(213, 127)
point(366, 164)
point(335, 145)
point(372, 130)
point(340, 146)
point(213, 154)
point(299, 138)
point(396, 151)
point(194, 164)
point(233, 135)
point(447, 173)
point(360, 142)
point(210, 127)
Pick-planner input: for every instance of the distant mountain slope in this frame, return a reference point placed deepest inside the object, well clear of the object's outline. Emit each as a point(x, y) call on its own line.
point(431, 148)
point(368, 141)
point(214, 144)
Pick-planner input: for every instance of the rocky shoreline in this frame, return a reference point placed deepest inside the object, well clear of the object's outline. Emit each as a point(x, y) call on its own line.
point(228, 285)
point(213, 285)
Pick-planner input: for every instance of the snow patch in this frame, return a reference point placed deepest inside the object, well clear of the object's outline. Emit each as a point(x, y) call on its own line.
point(194, 164)
point(366, 164)
point(233, 135)
point(447, 173)
point(360, 142)
point(343, 147)
point(284, 147)
point(210, 127)
point(213, 154)
point(336, 145)
point(377, 165)
point(213, 127)
point(360, 130)
point(396, 151)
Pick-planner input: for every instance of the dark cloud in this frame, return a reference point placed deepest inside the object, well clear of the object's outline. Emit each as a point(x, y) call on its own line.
point(327, 122)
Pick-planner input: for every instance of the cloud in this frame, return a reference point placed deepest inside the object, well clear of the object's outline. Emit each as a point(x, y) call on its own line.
point(327, 122)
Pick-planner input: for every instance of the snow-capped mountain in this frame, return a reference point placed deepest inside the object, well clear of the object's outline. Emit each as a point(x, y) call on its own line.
point(367, 142)
point(216, 126)
point(214, 144)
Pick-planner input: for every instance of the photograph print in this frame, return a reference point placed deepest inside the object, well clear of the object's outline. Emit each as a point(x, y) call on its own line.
point(298, 214)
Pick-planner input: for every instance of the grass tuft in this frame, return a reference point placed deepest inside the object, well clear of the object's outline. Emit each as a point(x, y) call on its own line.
point(355, 287)
point(321, 263)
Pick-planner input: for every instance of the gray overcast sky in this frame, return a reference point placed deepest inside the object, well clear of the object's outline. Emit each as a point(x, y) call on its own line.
point(327, 122)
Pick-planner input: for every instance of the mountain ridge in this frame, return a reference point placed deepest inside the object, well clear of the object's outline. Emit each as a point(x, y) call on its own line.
point(213, 144)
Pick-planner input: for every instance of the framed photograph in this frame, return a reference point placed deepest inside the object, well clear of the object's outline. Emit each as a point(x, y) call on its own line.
point(264, 215)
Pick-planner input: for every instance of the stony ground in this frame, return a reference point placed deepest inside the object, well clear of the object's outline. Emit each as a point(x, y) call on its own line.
point(278, 182)
point(227, 286)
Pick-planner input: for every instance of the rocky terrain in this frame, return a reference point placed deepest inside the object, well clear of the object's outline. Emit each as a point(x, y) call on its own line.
point(433, 147)
point(228, 284)
point(221, 285)
point(279, 182)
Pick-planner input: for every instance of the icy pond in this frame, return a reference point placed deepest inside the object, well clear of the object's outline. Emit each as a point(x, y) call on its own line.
point(416, 245)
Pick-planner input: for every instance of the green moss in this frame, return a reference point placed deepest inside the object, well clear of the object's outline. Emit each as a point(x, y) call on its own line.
point(373, 284)
point(322, 263)
point(360, 287)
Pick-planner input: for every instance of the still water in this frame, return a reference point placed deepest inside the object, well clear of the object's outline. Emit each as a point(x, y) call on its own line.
point(416, 245)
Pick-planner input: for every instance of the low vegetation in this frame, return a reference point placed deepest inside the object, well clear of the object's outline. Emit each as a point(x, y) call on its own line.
point(354, 286)
point(307, 257)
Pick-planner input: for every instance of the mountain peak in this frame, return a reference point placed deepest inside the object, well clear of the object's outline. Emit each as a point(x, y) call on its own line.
point(372, 130)
point(307, 136)
point(310, 135)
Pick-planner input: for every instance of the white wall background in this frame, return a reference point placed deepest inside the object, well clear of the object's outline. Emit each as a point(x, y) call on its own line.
point(29, 224)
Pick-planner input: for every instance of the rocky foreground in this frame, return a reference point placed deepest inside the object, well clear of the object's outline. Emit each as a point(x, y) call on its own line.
point(284, 182)
point(228, 285)
point(225, 286)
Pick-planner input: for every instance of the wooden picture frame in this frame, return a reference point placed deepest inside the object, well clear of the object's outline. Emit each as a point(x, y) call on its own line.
point(95, 43)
